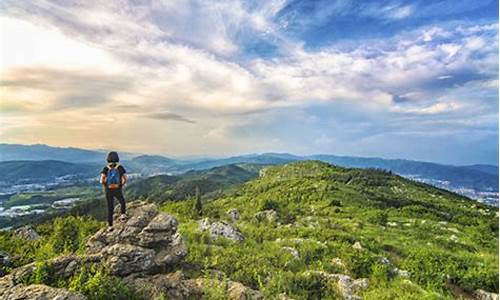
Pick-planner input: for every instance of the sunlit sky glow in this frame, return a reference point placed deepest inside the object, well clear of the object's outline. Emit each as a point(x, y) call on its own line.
point(403, 79)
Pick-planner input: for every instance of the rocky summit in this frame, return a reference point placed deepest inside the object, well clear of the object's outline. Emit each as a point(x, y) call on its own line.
point(143, 250)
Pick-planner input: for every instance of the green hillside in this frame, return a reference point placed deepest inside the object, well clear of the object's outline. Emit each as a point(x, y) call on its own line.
point(448, 243)
point(211, 183)
point(303, 222)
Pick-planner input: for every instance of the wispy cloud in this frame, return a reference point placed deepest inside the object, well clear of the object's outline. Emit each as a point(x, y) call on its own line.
point(169, 116)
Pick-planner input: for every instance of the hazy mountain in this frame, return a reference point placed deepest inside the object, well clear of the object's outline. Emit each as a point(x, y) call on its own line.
point(45, 152)
point(17, 172)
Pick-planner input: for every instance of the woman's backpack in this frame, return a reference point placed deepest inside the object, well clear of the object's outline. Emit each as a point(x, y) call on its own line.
point(113, 178)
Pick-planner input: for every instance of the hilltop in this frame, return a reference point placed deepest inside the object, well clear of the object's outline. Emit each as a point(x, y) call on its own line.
point(476, 181)
point(305, 230)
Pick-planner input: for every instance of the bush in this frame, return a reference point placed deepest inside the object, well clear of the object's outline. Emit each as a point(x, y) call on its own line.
point(434, 268)
point(70, 233)
point(97, 284)
point(378, 217)
point(42, 274)
point(359, 263)
point(270, 204)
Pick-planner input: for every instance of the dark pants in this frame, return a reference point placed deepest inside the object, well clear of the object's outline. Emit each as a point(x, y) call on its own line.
point(110, 195)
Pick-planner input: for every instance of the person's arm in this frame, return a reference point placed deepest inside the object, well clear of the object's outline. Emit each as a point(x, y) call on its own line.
point(102, 180)
point(124, 179)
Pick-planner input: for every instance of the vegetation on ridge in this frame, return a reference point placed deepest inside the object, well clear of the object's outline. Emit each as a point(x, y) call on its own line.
point(447, 243)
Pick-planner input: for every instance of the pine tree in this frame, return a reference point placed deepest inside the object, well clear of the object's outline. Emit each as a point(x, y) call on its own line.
point(198, 207)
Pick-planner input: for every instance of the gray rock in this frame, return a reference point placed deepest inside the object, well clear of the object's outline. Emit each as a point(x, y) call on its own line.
point(147, 242)
point(5, 259)
point(233, 290)
point(402, 273)
point(124, 259)
point(357, 246)
point(269, 215)
point(38, 292)
point(484, 295)
point(294, 252)
point(27, 233)
point(233, 214)
point(347, 286)
point(337, 261)
point(221, 229)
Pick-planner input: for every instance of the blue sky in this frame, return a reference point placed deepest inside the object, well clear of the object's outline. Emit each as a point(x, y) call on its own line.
point(400, 79)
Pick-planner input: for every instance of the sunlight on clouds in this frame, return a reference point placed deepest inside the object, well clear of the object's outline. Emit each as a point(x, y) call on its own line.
point(26, 44)
point(220, 71)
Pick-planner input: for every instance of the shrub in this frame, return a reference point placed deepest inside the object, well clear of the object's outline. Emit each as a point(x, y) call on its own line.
point(359, 263)
point(97, 284)
point(42, 274)
point(270, 204)
point(378, 217)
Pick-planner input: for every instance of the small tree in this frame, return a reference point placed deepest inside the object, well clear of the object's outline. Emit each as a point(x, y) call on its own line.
point(198, 207)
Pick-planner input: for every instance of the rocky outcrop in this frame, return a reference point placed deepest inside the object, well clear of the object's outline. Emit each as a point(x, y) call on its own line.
point(27, 233)
point(142, 250)
point(221, 229)
point(147, 242)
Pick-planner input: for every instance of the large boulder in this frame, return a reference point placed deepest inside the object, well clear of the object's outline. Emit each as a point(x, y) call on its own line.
point(27, 233)
point(221, 229)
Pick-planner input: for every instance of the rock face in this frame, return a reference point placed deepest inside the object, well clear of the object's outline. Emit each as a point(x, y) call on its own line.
point(147, 242)
point(142, 250)
point(27, 233)
point(221, 229)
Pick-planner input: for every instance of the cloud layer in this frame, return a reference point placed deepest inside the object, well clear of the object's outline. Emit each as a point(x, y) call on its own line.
point(189, 77)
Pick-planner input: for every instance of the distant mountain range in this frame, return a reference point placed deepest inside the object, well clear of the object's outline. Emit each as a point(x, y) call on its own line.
point(43, 171)
point(477, 177)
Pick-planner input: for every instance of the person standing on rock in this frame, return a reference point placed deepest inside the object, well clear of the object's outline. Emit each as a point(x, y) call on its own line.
point(113, 179)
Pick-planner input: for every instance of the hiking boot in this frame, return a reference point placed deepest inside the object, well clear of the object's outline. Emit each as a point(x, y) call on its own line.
point(123, 217)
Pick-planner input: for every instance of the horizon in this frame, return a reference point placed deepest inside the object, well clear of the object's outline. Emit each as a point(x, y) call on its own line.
point(395, 79)
point(215, 157)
